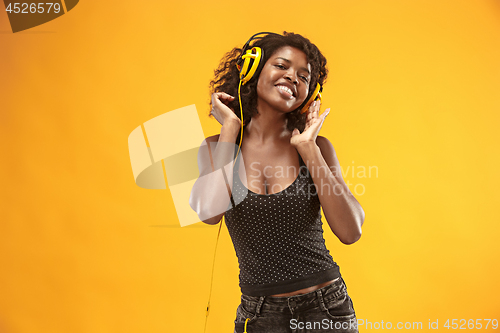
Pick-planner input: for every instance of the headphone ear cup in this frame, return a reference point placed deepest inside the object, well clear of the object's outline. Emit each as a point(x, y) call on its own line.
point(260, 65)
point(316, 95)
point(252, 64)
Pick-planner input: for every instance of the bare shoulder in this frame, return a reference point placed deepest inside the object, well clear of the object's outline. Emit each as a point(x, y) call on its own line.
point(213, 138)
point(204, 154)
point(325, 145)
point(327, 151)
point(210, 139)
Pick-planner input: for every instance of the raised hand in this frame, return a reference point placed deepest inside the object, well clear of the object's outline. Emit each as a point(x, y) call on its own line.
point(313, 124)
point(220, 109)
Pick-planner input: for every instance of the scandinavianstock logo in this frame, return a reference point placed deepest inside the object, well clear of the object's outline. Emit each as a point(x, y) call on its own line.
point(28, 14)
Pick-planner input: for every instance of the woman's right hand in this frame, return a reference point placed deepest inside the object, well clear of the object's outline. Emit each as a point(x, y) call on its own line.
point(220, 109)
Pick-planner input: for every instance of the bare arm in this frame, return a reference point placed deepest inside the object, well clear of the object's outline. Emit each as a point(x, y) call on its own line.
point(210, 195)
point(342, 211)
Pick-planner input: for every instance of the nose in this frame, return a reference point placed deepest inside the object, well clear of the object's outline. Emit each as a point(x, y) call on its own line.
point(292, 77)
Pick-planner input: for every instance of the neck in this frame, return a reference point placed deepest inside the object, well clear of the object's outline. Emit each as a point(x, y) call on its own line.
point(268, 125)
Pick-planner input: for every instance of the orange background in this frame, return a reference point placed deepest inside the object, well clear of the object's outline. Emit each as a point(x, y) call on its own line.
point(413, 88)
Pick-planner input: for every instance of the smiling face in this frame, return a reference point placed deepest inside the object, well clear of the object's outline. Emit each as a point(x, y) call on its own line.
point(284, 81)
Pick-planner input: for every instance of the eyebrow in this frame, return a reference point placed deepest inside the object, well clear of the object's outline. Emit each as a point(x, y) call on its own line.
point(288, 61)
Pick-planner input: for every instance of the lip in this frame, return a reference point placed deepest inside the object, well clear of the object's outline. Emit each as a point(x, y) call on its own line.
point(288, 85)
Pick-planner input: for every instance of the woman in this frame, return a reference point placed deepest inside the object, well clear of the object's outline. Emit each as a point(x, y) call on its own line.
point(271, 193)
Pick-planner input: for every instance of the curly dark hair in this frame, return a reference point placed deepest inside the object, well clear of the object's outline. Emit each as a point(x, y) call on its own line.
point(227, 75)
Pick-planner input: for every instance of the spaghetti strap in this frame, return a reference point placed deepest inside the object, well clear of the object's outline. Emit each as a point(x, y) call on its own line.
point(236, 176)
point(301, 161)
point(303, 170)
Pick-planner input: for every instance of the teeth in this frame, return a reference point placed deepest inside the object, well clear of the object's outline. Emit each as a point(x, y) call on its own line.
point(286, 89)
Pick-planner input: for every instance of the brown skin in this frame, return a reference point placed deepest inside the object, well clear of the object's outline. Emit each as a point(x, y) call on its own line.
point(268, 146)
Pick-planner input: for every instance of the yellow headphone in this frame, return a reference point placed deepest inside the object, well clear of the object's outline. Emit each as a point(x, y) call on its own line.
point(251, 62)
point(316, 95)
point(251, 59)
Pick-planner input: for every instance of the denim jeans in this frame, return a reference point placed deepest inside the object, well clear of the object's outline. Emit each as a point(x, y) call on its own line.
point(328, 309)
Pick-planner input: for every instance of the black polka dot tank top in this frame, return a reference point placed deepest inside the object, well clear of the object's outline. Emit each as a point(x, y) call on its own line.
point(278, 238)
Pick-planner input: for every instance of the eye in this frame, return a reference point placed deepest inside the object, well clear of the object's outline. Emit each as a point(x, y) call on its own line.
point(280, 66)
point(305, 79)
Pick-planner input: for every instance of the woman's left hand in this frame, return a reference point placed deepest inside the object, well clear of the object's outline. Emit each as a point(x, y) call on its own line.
point(313, 124)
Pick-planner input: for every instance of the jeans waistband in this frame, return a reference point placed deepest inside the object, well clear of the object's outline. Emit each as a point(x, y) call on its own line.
point(258, 304)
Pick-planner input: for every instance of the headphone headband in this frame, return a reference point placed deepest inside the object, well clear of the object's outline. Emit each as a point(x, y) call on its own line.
point(244, 51)
point(259, 33)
